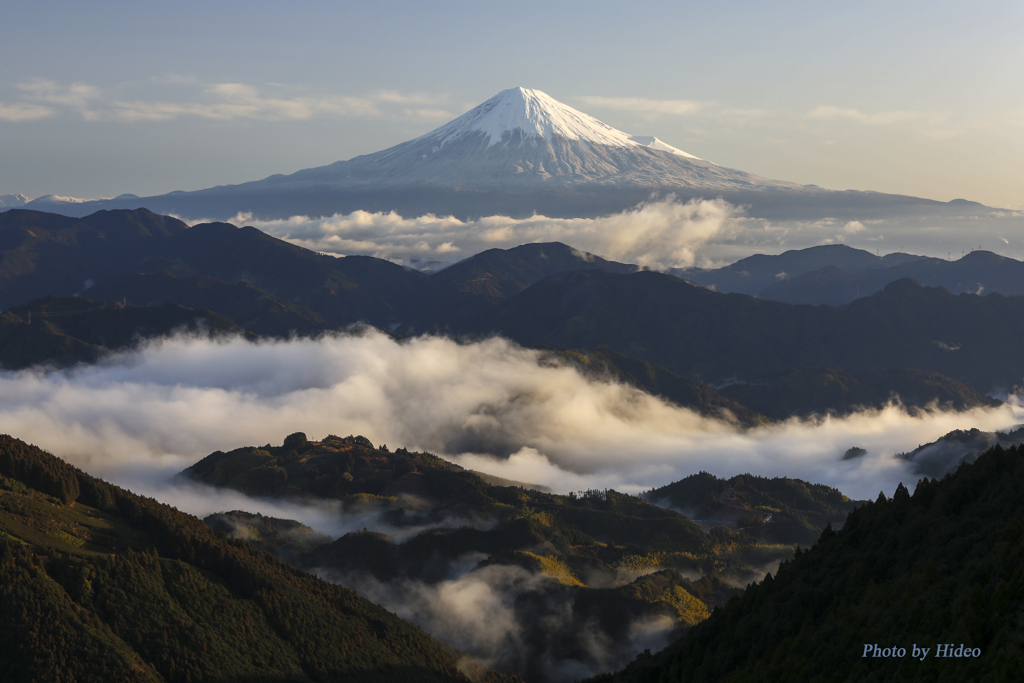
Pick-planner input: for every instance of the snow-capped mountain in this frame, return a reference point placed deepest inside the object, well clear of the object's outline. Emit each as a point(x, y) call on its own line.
point(8, 201)
point(523, 138)
point(520, 152)
point(521, 115)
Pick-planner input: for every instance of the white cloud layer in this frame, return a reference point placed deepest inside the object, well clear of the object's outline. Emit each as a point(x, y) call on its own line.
point(139, 417)
point(658, 233)
point(882, 118)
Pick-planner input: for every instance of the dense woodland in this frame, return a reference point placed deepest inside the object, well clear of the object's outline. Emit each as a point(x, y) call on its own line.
point(99, 584)
point(944, 565)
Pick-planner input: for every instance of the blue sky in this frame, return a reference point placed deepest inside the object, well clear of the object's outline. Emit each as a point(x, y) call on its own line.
point(108, 97)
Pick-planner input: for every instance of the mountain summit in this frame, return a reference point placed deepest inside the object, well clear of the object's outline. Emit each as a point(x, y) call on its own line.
point(518, 115)
point(519, 153)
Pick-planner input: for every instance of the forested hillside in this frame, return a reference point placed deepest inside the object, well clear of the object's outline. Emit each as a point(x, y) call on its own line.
point(99, 584)
point(942, 566)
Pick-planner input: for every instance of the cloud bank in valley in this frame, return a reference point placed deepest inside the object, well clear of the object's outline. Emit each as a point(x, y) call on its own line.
point(142, 416)
point(660, 233)
point(512, 620)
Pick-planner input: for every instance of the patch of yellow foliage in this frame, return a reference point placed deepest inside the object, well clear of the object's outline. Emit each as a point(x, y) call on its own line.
point(557, 569)
point(65, 536)
point(644, 564)
point(690, 610)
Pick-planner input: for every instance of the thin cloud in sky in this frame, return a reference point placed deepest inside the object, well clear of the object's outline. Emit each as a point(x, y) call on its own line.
point(644, 106)
point(24, 112)
point(882, 118)
point(216, 101)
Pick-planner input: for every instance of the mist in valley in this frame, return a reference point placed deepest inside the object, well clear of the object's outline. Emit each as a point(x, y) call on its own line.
point(489, 405)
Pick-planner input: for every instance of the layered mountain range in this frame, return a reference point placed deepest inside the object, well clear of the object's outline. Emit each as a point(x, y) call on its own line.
point(719, 353)
point(85, 561)
point(519, 153)
point(836, 274)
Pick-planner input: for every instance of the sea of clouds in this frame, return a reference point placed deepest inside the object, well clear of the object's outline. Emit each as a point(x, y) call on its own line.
point(660, 233)
point(139, 417)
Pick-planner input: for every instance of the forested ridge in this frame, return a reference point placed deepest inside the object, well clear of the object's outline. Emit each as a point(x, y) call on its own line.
point(942, 566)
point(100, 584)
point(600, 562)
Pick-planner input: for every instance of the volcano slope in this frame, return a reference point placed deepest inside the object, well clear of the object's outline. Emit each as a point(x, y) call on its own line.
point(944, 566)
point(99, 584)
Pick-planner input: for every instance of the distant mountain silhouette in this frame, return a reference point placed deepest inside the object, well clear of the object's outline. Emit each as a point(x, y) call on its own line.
point(978, 272)
point(752, 275)
point(68, 330)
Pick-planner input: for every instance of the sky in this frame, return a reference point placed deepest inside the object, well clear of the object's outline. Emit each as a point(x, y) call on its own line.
point(107, 97)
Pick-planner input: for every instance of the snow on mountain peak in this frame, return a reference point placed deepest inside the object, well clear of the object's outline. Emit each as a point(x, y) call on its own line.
point(537, 114)
point(651, 142)
point(9, 200)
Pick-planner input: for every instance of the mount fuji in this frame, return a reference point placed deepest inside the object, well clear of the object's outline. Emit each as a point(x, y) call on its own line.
point(519, 153)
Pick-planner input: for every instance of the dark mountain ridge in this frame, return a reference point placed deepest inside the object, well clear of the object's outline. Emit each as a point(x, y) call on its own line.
point(63, 331)
point(46, 255)
point(276, 289)
point(754, 274)
point(716, 338)
point(958, 446)
point(977, 272)
point(600, 561)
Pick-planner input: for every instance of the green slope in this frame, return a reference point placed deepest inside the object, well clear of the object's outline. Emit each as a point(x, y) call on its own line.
point(797, 510)
point(99, 584)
